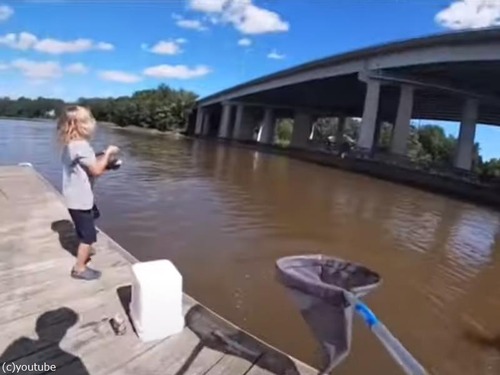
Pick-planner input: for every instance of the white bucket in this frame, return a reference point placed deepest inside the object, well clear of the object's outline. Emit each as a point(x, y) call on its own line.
point(156, 302)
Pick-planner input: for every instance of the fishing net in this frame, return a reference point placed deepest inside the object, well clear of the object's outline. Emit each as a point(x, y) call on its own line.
point(317, 284)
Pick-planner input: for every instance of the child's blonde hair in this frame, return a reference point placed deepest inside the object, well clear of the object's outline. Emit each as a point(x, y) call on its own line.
point(75, 122)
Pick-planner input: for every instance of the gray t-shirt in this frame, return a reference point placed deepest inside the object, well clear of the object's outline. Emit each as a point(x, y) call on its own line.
point(78, 184)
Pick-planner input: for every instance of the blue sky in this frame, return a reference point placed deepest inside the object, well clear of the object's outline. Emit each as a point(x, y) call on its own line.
point(71, 48)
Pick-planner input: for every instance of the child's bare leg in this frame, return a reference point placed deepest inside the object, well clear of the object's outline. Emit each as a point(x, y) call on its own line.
point(80, 270)
point(82, 257)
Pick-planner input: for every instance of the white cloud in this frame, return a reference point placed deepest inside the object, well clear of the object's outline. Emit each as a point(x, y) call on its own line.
point(26, 41)
point(22, 41)
point(42, 71)
point(275, 55)
point(57, 47)
point(208, 6)
point(176, 71)
point(77, 68)
point(191, 24)
point(245, 16)
point(118, 76)
point(103, 46)
point(470, 14)
point(244, 42)
point(164, 47)
point(181, 40)
point(5, 12)
point(188, 23)
point(38, 70)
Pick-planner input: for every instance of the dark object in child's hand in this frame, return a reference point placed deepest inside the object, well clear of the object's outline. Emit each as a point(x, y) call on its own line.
point(113, 163)
point(95, 212)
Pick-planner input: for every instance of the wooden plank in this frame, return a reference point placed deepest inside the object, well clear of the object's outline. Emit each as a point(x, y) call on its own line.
point(50, 328)
point(102, 351)
point(230, 365)
point(48, 295)
point(98, 358)
point(182, 354)
point(95, 345)
point(88, 310)
point(274, 362)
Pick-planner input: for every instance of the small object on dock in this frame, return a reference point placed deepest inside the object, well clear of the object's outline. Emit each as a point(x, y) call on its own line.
point(118, 325)
point(25, 164)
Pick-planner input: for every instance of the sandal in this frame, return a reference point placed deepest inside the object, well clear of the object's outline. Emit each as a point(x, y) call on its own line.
point(87, 274)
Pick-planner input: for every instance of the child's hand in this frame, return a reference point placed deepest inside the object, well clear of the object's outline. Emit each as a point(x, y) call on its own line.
point(112, 150)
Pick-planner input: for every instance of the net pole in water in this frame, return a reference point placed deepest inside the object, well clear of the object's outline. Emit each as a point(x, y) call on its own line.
point(398, 352)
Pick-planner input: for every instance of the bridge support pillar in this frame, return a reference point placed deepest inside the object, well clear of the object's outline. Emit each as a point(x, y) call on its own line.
point(200, 118)
point(370, 112)
point(301, 129)
point(266, 133)
point(399, 142)
point(225, 121)
point(465, 145)
point(244, 126)
point(207, 117)
point(339, 134)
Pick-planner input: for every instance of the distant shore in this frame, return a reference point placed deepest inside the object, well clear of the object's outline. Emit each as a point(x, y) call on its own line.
point(110, 125)
point(141, 130)
point(27, 119)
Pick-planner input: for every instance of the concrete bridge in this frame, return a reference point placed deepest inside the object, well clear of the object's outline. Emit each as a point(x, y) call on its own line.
point(453, 76)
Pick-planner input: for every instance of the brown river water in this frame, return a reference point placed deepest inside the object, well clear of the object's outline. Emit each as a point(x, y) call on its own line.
point(224, 215)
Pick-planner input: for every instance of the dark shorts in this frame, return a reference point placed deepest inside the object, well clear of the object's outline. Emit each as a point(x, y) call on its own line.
point(85, 225)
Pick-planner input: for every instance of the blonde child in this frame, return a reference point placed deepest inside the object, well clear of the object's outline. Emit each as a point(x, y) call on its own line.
point(75, 127)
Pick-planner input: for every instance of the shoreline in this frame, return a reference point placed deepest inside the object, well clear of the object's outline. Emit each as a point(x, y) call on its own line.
point(27, 119)
point(139, 130)
point(110, 125)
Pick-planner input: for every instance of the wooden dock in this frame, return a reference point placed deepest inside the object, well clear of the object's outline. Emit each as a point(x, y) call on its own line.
point(48, 317)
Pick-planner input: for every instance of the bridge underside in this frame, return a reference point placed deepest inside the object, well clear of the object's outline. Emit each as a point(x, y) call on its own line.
point(345, 95)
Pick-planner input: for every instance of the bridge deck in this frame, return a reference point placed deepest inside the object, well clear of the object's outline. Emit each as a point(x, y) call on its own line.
point(47, 317)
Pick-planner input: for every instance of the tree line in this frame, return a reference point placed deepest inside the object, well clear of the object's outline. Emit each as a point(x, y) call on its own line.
point(162, 108)
point(30, 108)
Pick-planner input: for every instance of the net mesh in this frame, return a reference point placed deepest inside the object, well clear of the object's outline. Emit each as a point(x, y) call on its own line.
point(317, 283)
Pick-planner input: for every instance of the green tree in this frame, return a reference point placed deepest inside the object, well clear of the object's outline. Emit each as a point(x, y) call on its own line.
point(489, 170)
point(434, 142)
point(284, 129)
